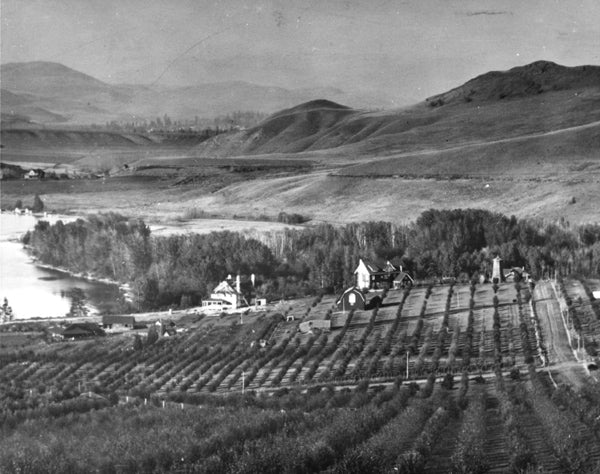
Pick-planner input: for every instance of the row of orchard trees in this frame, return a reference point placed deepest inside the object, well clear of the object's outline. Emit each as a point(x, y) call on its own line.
point(181, 269)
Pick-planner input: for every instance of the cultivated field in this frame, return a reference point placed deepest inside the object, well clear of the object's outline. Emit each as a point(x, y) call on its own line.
point(439, 376)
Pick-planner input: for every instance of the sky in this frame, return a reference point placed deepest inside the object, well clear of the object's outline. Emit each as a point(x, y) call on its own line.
point(404, 51)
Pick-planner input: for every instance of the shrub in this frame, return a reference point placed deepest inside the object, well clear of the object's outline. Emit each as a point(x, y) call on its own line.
point(38, 204)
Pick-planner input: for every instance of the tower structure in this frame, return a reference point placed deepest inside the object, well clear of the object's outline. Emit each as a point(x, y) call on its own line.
point(497, 270)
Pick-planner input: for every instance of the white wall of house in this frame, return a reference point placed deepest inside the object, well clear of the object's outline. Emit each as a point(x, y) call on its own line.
point(224, 291)
point(363, 277)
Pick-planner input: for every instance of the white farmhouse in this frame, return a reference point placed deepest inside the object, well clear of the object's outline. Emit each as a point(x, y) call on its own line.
point(226, 296)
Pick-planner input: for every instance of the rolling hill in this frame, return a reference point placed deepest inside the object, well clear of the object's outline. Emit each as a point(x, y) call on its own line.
point(533, 99)
point(532, 152)
point(523, 81)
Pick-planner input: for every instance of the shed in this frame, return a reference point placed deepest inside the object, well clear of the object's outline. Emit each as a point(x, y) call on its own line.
point(308, 326)
point(403, 280)
point(118, 322)
point(352, 298)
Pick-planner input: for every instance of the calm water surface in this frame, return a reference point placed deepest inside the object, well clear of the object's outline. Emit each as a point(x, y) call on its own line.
point(35, 292)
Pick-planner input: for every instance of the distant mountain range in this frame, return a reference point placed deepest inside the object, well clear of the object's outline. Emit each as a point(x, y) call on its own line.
point(51, 93)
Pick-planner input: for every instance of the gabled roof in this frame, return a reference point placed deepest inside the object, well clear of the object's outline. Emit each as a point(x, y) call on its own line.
point(354, 290)
point(377, 268)
point(513, 270)
point(226, 288)
point(402, 275)
point(371, 266)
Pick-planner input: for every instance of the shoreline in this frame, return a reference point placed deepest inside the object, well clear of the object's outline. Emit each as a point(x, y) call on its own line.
point(124, 288)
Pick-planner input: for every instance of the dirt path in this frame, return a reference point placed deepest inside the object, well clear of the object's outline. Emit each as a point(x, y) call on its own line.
point(556, 339)
point(475, 144)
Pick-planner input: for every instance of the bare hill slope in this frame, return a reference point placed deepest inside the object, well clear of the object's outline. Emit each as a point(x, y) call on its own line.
point(523, 81)
point(537, 98)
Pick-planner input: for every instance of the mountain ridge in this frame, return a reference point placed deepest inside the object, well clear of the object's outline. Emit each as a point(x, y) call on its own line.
point(83, 99)
point(531, 79)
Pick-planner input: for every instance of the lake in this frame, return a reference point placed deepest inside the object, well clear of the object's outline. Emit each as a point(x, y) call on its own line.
point(35, 292)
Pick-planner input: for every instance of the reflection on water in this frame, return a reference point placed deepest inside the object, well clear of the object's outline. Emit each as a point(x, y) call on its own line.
point(34, 292)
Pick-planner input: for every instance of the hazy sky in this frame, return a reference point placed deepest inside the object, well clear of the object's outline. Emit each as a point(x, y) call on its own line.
point(405, 50)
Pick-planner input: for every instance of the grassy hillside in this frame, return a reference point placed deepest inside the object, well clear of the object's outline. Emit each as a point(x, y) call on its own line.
point(533, 79)
point(422, 127)
point(533, 153)
point(553, 154)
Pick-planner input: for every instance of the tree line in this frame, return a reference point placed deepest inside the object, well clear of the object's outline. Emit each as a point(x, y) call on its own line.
point(180, 270)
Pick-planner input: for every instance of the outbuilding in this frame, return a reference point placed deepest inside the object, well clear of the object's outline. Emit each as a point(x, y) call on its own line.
point(352, 298)
point(403, 280)
point(118, 323)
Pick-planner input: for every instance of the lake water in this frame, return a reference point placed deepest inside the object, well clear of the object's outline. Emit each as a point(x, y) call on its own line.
point(35, 292)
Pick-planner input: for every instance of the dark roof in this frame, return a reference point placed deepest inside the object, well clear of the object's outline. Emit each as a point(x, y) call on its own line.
point(513, 270)
point(83, 329)
point(402, 275)
point(380, 267)
point(372, 267)
point(110, 319)
point(352, 289)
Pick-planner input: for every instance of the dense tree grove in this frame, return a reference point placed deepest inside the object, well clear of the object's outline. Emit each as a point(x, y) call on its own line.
point(181, 269)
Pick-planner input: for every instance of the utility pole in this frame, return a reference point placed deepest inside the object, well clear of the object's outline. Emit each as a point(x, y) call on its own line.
point(243, 381)
point(407, 357)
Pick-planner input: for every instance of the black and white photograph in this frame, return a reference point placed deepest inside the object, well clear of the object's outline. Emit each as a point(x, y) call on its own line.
point(300, 236)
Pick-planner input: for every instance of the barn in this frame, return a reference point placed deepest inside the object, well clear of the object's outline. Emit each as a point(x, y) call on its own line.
point(352, 298)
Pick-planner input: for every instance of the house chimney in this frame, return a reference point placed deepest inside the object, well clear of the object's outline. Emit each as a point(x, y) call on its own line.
point(238, 286)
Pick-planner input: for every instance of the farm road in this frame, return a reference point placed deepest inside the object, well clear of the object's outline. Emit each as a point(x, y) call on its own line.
point(476, 144)
point(555, 336)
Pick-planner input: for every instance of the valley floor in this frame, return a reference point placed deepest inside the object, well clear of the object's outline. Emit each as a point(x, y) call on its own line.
point(318, 195)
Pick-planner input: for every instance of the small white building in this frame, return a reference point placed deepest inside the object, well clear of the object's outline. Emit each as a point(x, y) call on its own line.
point(31, 175)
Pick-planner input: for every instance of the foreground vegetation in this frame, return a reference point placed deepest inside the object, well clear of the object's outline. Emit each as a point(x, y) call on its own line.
point(470, 425)
point(476, 397)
